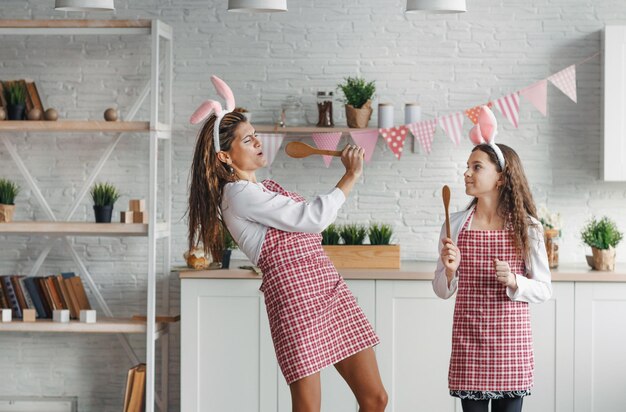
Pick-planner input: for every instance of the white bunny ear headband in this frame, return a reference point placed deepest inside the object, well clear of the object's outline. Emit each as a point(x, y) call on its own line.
point(485, 131)
point(212, 106)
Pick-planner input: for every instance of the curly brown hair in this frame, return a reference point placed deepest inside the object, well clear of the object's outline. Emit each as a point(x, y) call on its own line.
point(208, 176)
point(515, 203)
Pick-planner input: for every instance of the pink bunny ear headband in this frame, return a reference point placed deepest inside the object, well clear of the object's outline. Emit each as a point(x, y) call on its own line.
point(484, 132)
point(211, 106)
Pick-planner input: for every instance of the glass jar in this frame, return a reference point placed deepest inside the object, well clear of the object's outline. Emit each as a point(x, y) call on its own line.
point(552, 246)
point(325, 109)
point(292, 112)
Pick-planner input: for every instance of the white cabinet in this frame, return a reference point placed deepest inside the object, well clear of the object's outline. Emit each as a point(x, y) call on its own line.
point(415, 329)
point(614, 150)
point(600, 358)
point(228, 361)
point(227, 358)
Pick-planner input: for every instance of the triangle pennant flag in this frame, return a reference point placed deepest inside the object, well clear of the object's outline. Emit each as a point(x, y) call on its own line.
point(395, 136)
point(537, 94)
point(509, 107)
point(367, 140)
point(452, 124)
point(472, 113)
point(565, 81)
point(424, 132)
point(327, 141)
point(270, 143)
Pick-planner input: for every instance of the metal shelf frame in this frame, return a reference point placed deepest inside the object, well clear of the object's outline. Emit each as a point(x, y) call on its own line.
point(160, 134)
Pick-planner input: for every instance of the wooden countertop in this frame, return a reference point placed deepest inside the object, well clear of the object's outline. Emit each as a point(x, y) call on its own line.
point(412, 270)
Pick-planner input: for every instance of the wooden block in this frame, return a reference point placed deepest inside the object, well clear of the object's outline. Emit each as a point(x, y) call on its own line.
point(29, 315)
point(126, 217)
point(140, 217)
point(61, 315)
point(137, 205)
point(364, 256)
point(7, 316)
point(88, 316)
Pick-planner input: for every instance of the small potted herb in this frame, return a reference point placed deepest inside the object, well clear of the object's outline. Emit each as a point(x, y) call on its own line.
point(229, 245)
point(379, 234)
point(15, 95)
point(352, 234)
point(358, 100)
point(602, 235)
point(104, 196)
point(8, 193)
point(330, 235)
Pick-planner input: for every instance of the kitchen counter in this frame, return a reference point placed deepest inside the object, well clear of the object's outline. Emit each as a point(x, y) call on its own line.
point(412, 270)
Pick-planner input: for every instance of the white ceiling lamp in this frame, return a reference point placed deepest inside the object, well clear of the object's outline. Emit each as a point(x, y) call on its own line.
point(84, 5)
point(436, 6)
point(257, 6)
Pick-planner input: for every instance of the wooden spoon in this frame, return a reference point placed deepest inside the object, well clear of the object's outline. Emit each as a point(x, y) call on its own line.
point(445, 193)
point(299, 150)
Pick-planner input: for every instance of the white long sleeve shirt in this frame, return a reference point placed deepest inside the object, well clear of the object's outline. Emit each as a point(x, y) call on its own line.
point(535, 287)
point(248, 209)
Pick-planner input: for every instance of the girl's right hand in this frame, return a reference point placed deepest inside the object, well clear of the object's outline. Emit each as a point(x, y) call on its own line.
point(352, 159)
point(450, 257)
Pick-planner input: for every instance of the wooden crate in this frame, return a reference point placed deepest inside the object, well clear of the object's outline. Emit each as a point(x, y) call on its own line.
point(364, 256)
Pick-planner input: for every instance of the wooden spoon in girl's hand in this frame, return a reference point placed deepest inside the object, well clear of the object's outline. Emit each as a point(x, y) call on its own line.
point(299, 150)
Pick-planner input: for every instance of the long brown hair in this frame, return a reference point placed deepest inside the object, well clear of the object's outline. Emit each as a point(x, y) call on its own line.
point(515, 202)
point(208, 175)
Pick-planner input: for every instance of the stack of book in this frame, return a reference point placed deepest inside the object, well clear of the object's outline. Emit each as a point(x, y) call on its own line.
point(134, 395)
point(44, 294)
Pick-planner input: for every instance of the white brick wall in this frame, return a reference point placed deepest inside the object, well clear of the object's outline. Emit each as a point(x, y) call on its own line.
point(447, 62)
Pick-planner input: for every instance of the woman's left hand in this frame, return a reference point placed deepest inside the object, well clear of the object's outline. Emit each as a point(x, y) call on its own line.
point(504, 274)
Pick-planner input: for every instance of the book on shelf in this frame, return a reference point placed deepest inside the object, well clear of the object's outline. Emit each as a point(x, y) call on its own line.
point(3, 101)
point(11, 297)
point(134, 395)
point(29, 300)
point(17, 287)
point(4, 303)
point(33, 94)
point(81, 296)
point(33, 290)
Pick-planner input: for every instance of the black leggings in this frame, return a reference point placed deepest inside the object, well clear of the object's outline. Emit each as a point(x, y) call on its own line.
point(497, 405)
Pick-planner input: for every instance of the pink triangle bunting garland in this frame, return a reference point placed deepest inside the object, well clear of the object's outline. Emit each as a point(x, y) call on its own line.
point(537, 94)
point(452, 124)
point(367, 140)
point(509, 107)
point(424, 132)
point(327, 141)
point(565, 81)
point(395, 136)
point(270, 144)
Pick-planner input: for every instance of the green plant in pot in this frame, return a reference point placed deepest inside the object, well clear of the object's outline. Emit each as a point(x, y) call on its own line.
point(358, 97)
point(229, 245)
point(8, 193)
point(352, 234)
point(15, 95)
point(379, 234)
point(104, 196)
point(330, 235)
point(602, 235)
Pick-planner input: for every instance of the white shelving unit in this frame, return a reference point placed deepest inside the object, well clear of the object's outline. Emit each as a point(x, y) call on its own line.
point(159, 131)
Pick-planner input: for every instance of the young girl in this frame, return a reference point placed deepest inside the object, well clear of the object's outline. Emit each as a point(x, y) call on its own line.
point(496, 262)
point(314, 319)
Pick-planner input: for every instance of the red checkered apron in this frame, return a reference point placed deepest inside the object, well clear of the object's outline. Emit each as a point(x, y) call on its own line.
point(491, 336)
point(314, 319)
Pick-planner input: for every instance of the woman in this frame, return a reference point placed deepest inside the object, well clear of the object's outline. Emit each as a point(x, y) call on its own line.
point(496, 263)
point(314, 319)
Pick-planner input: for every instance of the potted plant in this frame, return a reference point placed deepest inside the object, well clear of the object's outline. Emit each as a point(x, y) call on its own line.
point(551, 223)
point(330, 235)
point(358, 95)
point(229, 245)
point(352, 253)
point(8, 192)
point(602, 235)
point(104, 196)
point(15, 95)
